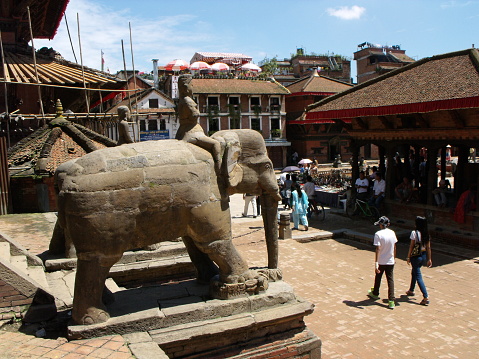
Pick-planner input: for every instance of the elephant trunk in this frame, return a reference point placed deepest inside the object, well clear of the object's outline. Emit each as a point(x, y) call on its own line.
point(269, 210)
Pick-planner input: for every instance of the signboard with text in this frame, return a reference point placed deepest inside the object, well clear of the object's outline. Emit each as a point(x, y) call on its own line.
point(154, 135)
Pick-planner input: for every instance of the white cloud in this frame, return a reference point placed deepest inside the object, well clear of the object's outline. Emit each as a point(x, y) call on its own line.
point(103, 28)
point(347, 13)
point(454, 3)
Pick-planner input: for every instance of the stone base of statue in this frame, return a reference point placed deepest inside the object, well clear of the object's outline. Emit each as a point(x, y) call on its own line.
point(183, 321)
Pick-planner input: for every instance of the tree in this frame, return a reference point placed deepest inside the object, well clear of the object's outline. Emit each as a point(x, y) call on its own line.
point(269, 66)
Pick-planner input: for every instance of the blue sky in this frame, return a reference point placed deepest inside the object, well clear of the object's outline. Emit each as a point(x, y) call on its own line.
point(169, 30)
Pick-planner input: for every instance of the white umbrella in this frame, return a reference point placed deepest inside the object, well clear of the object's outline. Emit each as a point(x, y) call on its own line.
point(199, 65)
point(177, 65)
point(251, 67)
point(304, 161)
point(220, 66)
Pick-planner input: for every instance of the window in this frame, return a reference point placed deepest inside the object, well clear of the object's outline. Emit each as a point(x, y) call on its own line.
point(153, 103)
point(275, 127)
point(235, 122)
point(255, 104)
point(213, 125)
point(152, 125)
point(274, 104)
point(142, 125)
point(162, 125)
point(256, 124)
point(213, 101)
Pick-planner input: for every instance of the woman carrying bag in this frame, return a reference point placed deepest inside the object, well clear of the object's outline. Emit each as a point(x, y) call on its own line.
point(419, 253)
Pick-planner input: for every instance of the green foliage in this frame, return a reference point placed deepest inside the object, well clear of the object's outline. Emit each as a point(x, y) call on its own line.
point(269, 66)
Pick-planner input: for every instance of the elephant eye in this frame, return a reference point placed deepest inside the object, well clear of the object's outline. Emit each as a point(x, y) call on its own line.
point(267, 166)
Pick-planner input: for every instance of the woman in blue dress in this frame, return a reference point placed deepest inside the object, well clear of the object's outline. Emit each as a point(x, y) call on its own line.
point(299, 206)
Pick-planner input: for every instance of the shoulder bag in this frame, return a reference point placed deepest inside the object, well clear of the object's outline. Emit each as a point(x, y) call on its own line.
point(416, 250)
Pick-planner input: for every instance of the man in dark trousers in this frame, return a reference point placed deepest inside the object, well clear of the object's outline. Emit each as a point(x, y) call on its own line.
point(385, 241)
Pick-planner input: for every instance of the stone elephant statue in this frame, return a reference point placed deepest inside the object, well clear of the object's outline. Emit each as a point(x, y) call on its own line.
point(131, 196)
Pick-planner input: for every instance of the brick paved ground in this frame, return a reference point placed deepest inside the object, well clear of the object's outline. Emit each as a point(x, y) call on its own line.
point(335, 275)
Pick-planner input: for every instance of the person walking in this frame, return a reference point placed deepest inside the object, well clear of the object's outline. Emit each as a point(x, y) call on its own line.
point(418, 254)
point(249, 198)
point(299, 206)
point(385, 241)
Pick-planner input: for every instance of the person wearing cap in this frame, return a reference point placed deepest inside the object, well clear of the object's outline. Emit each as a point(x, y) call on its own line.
point(385, 241)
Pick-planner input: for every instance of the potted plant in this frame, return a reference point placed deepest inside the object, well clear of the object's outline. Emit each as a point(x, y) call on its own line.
point(276, 133)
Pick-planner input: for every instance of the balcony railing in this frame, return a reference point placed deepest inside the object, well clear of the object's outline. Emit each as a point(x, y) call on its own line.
point(275, 108)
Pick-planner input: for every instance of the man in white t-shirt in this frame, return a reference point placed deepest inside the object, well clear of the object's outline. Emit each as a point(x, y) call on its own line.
point(362, 186)
point(385, 241)
point(379, 191)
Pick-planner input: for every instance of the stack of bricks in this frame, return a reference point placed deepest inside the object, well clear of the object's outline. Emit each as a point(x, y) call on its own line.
point(12, 303)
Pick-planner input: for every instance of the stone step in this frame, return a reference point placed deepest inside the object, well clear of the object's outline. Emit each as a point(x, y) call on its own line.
point(5, 250)
point(157, 270)
point(38, 274)
point(164, 250)
point(19, 262)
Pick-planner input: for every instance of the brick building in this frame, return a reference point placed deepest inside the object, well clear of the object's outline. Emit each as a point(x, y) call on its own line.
point(249, 103)
point(322, 139)
point(333, 66)
point(374, 60)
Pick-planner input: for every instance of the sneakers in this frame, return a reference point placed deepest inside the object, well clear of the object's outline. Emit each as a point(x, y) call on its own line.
point(410, 294)
point(391, 304)
point(372, 295)
point(425, 301)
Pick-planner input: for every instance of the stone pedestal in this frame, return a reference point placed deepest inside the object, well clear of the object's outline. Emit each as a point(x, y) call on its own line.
point(184, 322)
point(284, 231)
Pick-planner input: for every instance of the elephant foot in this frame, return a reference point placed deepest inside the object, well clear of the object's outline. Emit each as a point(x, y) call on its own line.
point(92, 316)
point(250, 282)
point(273, 275)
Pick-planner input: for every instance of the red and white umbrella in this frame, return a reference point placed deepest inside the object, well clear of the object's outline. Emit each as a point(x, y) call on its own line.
point(220, 66)
point(177, 65)
point(251, 67)
point(199, 65)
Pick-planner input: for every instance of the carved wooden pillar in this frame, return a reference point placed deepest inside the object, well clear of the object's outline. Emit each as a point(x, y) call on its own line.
point(431, 173)
point(417, 162)
point(443, 162)
point(390, 173)
point(355, 166)
point(459, 183)
point(382, 167)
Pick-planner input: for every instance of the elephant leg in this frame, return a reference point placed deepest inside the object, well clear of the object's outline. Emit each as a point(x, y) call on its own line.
point(269, 210)
point(88, 307)
point(204, 265)
point(232, 267)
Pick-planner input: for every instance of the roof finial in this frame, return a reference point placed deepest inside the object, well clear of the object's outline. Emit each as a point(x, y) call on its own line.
point(59, 109)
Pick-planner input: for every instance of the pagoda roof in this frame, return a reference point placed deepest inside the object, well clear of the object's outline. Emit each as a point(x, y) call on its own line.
point(317, 84)
point(442, 82)
point(51, 145)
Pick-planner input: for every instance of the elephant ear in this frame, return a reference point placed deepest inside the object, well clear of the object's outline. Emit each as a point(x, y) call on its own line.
point(231, 149)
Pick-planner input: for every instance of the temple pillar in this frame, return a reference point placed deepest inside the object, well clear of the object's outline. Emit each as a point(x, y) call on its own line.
point(431, 169)
point(382, 166)
point(443, 163)
point(459, 185)
point(390, 173)
point(415, 169)
point(355, 165)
